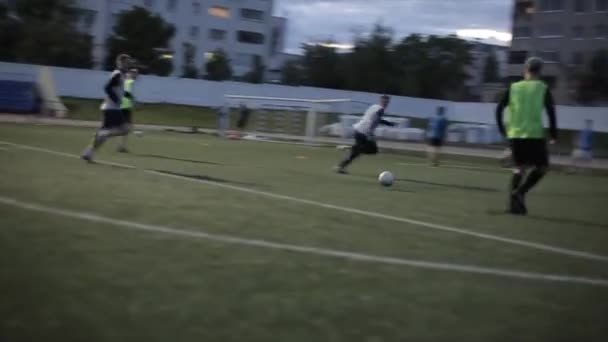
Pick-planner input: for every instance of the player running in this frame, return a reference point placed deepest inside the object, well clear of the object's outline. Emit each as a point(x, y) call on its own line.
point(436, 135)
point(113, 119)
point(128, 102)
point(526, 100)
point(365, 142)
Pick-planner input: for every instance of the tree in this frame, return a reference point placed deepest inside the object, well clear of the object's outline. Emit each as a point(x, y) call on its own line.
point(433, 67)
point(10, 35)
point(291, 74)
point(189, 70)
point(256, 75)
point(45, 34)
point(218, 67)
point(490, 70)
point(430, 67)
point(320, 64)
point(141, 34)
point(371, 65)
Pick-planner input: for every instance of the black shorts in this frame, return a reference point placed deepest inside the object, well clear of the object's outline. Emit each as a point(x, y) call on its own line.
point(436, 142)
point(365, 145)
point(113, 118)
point(530, 152)
point(126, 114)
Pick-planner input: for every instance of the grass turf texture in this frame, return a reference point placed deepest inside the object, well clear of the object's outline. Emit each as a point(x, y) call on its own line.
point(76, 280)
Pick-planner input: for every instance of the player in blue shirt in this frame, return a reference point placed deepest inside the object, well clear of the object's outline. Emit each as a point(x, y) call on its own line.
point(582, 153)
point(436, 135)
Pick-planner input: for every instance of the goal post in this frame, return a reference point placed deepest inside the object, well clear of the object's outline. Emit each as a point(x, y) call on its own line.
point(294, 118)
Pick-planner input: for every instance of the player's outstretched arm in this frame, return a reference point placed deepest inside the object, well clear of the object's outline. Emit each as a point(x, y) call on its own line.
point(500, 108)
point(550, 107)
point(387, 123)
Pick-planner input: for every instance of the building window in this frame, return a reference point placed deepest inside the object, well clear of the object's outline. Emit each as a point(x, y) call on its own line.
point(149, 3)
point(578, 32)
point(249, 37)
point(196, 8)
point(252, 14)
point(171, 5)
point(601, 5)
point(518, 57)
point(549, 56)
point(524, 9)
point(276, 38)
point(577, 58)
point(194, 32)
point(215, 34)
point(551, 5)
point(550, 31)
point(522, 32)
point(580, 6)
point(601, 31)
point(220, 12)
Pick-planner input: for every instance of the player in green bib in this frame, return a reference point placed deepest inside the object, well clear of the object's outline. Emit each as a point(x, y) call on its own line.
point(126, 107)
point(526, 133)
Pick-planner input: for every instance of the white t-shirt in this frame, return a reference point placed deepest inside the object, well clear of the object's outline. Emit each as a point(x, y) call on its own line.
point(370, 120)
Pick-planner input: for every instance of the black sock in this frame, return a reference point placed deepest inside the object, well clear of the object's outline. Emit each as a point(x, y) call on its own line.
point(533, 178)
point(516, 180)
point(354, 153)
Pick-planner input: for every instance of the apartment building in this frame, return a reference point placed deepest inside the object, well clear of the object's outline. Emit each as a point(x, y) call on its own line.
point(242, 28)
point(564, 33)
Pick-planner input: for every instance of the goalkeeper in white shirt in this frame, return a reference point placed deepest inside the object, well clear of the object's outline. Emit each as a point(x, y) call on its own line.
point(365, 142)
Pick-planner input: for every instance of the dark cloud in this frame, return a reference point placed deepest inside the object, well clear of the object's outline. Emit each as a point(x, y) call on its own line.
point(340, 19)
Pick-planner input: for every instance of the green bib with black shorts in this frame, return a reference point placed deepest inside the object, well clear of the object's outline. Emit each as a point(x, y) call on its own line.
point(526, 105)
point(525, 128)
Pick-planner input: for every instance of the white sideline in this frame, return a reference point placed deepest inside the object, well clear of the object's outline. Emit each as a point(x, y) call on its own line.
point(464, 167)
point(533, 245)
point(326, 252)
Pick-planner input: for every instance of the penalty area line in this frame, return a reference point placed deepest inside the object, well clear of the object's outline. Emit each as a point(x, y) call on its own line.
point(302, 249)
point(435, 226)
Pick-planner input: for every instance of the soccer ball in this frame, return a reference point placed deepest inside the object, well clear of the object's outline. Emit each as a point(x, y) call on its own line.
point(386, 178)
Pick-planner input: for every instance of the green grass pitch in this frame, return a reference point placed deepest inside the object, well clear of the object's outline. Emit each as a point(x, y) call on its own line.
point(73, 277)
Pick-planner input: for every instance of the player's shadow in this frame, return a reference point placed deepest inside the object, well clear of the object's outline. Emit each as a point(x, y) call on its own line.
point(475, 169)
point(451, 186)
point(562, 220)
point(206, 178)
point(393, 189)
point(568, 221)
point(158, 156)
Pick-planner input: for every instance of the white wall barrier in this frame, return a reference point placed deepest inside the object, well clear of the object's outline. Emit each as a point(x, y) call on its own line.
point(154, 89)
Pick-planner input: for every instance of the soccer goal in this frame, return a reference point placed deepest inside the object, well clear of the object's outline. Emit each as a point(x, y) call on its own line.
point(298, 119)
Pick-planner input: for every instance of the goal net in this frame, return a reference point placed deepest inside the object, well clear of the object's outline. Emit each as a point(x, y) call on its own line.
point(298, 119)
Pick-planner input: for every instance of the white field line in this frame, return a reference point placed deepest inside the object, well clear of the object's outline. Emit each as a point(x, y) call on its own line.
point(63, 154)
point(319, 251)
point(465, 167)
point(516, 242)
